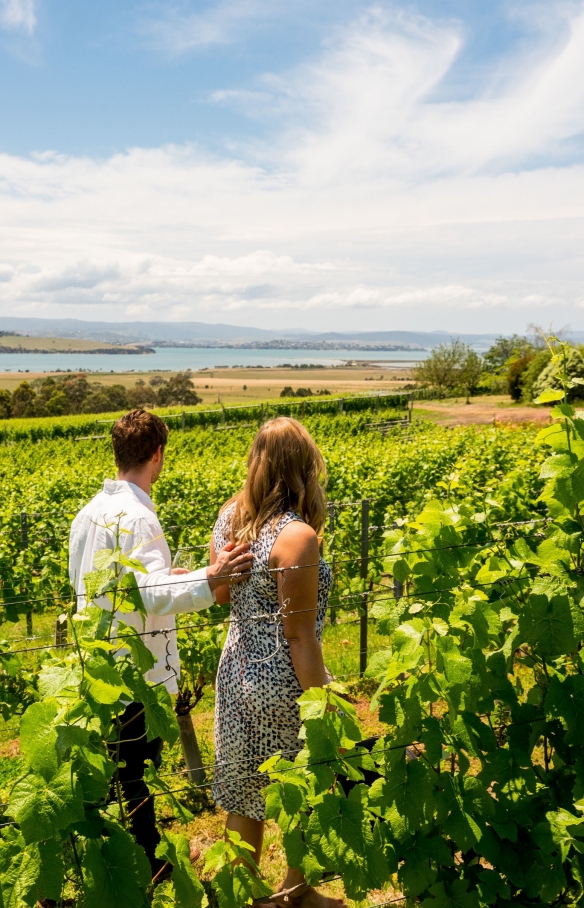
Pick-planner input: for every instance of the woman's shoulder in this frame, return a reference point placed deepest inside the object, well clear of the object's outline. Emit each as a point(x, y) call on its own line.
point(296, 543)
point(223, 522)
point(291, 526)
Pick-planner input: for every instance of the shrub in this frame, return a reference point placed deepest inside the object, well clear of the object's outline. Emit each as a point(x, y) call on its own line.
point(548, 378)
point(514, 375)
point(178, 390)
point(530, 375)
point(23, 399)
point(5, 404)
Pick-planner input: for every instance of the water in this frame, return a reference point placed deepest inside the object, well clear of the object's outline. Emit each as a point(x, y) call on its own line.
point(177, 359)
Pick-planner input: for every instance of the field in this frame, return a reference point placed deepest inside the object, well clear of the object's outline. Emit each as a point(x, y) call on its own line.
point(470, 630)
point(227, 385)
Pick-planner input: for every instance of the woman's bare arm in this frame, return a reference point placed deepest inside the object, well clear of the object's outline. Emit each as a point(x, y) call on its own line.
point(297, 544)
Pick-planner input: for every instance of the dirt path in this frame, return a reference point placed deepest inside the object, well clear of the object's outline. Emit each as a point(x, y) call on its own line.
point(481, 411)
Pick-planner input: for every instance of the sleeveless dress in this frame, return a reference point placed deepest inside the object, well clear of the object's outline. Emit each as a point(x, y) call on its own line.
point(256, 712)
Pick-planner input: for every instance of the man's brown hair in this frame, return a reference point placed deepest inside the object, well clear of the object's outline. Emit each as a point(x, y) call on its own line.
point(136, 437)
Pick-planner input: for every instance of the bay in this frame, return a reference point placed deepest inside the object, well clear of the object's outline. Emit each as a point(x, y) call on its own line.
point(177, 359)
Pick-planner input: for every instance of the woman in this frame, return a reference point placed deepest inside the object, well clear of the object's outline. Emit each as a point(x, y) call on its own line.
point(273, 651)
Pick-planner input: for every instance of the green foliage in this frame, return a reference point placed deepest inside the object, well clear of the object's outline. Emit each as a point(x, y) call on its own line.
point(460, 483)
point(548, 379)
point(68, 394)
point(515, 374)
point(178, 389)
point(504, 351)
point(483, 683)
point(531, 373)
point(451, 366)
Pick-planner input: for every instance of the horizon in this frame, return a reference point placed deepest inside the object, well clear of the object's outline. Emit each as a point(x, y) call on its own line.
point(287, 167)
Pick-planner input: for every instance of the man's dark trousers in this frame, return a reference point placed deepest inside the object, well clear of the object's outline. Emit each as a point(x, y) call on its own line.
point(133, 749)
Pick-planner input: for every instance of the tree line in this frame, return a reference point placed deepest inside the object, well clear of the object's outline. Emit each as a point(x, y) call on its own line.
point(519, 366)
point(74, 393)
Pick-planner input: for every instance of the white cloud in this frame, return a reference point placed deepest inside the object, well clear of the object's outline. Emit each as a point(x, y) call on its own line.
point(18, 15)
point(374, 200)
point(177, 32)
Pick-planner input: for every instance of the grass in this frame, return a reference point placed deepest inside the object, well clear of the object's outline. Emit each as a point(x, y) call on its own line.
point(24, 344)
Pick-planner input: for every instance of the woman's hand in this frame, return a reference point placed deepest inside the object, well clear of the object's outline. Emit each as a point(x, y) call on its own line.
point(232, 565)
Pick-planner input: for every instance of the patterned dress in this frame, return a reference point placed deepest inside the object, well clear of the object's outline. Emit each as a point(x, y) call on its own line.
point(256, 713)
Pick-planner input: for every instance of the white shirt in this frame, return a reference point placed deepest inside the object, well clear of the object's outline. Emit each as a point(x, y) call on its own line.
point(164, 595)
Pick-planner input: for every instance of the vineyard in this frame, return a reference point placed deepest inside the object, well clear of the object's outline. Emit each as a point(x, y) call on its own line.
point(456, 610)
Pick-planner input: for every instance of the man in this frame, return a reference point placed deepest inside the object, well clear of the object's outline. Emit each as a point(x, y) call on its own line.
point(139, 439)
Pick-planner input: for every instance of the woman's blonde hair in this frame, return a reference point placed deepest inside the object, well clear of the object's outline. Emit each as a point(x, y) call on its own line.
point(285, 472)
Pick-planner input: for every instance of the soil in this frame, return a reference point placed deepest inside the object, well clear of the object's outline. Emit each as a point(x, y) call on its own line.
point(481, 411)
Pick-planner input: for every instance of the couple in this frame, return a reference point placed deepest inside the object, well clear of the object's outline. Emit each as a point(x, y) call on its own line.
point(267, 662)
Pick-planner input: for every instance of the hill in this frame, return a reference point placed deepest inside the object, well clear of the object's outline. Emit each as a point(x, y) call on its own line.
point(17, 343)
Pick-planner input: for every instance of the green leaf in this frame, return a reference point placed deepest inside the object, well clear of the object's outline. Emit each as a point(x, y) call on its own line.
point(417, 872)
point(457, 667)
point(565, 701)
point(128, 597)
point(104, 682)
point(155, 783)
point(454, 895)
point(43, 808)
point(547, 624)
point(19, 877)
point(38, 737)
point(115, 872)
point(103, 558)
point(188, 891)
point(96, 582)
point(55, 679)
point(128, 637)
point(158, 712)
point(52, 869)
point(134, 564)
point(284, 801)
point(547, 397)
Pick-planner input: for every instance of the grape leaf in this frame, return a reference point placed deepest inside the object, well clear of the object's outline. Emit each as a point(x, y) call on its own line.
point(38, 737)
point(43, 808)
point(115, 872)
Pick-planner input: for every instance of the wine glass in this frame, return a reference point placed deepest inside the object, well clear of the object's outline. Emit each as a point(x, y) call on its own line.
point(190, 557)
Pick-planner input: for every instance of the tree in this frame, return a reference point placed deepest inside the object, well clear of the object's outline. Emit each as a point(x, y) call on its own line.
point(515, 374)
point(142, 395)
point(5, 404)
point(106, 399)
point(178, 390)
point(23, 400)
point(57, 404)
point(78, 389)
point(443, 368)
point(531, 373)
point(504, 349)
point(470, 372)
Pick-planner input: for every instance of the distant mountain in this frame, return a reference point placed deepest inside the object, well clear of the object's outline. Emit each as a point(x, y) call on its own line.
point(204, 333)
point(132, 332)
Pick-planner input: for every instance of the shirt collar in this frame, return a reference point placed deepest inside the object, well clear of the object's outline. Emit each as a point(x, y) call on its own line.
point(116, 486)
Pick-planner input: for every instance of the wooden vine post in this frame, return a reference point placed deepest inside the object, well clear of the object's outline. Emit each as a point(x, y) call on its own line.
point(24, 546)
point(364, 596)
point(331, 552)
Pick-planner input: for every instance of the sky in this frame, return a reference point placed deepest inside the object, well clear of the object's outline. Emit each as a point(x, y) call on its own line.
point(309, 165)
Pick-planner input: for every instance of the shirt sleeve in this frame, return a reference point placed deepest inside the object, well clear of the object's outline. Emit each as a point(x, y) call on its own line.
point(164, 593)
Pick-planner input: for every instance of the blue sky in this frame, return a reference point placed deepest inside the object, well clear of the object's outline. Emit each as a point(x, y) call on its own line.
point(319, 164)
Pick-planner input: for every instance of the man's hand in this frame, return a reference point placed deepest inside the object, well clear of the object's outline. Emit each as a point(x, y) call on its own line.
point(233, 565)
